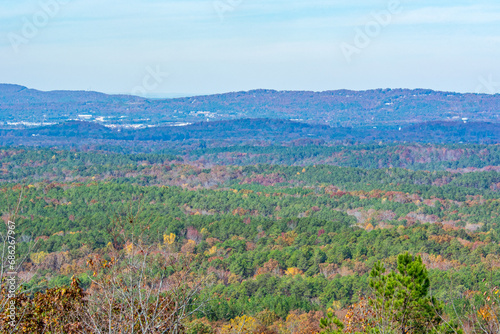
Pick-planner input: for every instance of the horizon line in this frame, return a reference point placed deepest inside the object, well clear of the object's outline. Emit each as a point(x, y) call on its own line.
point(171, 96)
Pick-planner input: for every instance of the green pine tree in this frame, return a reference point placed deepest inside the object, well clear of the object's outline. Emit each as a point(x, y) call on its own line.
point(401, 301)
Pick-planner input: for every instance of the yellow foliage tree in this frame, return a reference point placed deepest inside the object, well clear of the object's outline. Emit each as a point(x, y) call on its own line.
point(211, 251)
point(38, 258)
point(293, 271)
point(487, 313)
point(243, 324)
point(169, 239)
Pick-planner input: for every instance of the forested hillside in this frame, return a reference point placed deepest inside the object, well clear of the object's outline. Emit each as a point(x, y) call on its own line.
point(251, 239)
point(247, 132)
point(379, 107)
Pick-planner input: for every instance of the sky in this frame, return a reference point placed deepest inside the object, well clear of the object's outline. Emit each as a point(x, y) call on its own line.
point(192, 47)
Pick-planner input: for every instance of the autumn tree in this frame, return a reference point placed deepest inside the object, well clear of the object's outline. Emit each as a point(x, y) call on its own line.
point(142, 289)
point(55, 310)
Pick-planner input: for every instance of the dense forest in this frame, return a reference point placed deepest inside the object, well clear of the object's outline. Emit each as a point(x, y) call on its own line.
point(250, 132)
point(294, 238)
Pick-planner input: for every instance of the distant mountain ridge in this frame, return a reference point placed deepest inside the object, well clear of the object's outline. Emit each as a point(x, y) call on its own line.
point(16, 93)
point(380, 107)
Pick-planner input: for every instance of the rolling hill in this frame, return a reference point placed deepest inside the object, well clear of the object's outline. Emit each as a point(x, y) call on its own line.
point(380, 107)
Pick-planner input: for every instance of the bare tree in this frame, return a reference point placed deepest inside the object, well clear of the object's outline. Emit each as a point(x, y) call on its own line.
point(142, 289)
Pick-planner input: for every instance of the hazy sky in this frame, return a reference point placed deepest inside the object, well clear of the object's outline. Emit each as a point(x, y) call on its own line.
point(207, 46)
